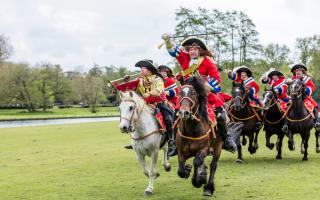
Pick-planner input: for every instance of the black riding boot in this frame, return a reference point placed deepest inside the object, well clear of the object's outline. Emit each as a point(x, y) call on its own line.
point(167, 118)
point(316, 119)
point(229, 144)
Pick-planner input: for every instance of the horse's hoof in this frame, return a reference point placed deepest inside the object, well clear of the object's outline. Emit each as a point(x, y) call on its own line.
point(196, 183)
point(157, 175)
point(318, 150)
point(207, 193)
point(147, 193)
point(304, 159)
point(168, 168)
point(279, 158)
point(240, 161)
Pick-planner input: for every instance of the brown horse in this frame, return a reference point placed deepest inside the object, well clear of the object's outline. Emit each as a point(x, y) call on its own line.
point(241, 111)
point(196, 135)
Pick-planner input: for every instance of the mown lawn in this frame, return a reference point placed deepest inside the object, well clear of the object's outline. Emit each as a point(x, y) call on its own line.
point(56, 112)
point(87, 161)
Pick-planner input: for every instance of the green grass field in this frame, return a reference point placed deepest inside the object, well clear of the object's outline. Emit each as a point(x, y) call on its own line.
point(7, 114)
point(87, 161)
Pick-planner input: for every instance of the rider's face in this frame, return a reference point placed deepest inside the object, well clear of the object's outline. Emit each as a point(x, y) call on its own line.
point(164, 74)
point(243, 75)
point(193, 52)
point(145, 71)
point(274, 77)
point(298, 73)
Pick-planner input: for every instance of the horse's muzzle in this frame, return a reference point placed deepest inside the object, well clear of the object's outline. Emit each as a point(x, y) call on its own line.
point(184, 114)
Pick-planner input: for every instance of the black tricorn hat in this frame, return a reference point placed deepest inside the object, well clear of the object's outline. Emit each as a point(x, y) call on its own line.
point(244, 69)
point(194, 41)
point(297, 66)
point(275, 73)
point(148, 64)
point(165, 68)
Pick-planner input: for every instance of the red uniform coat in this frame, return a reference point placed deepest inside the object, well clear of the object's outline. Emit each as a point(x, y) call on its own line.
point(281, 87)
point(310, 88)
point(206, 68)
point(171, 90)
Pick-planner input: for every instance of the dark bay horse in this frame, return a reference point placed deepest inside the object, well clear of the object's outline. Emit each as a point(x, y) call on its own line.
point(196, 135)
point(298, 118)
point(241, 111)
point(273, 120)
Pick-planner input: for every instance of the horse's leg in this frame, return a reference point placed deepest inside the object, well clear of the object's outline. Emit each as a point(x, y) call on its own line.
point(165, 162)
point(302, 149)
point(251, 149)
point(255, 144)
point(184, 170)
point(209, 188)
point(239, 150)
point(306, 140)
point(152, 173)
point(279, 145)
point(317, 141)
point(244, 140)
point(142, 161)
point(268, 144)
point(199, 175)
point(290, 141)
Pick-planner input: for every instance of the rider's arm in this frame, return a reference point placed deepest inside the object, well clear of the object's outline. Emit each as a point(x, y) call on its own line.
point(159, 87)
point(170, 90)
point(214, 79)
point(310, 88)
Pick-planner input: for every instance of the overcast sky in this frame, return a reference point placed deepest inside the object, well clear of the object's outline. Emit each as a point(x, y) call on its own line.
point(79, 33)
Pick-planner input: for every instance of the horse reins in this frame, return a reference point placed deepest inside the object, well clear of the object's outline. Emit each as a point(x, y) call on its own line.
point(130, 120)
point(270, 106)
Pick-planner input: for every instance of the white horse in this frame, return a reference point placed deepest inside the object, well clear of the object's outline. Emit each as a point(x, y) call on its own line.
point(138, 119)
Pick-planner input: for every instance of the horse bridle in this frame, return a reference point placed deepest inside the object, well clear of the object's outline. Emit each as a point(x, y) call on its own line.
point(188, 98)
point(270, 99)
point(129, 119)
point(242, 99)
point(298, 92)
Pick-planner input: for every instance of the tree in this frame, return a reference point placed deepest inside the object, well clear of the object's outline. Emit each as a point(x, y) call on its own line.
point(248, 37)
point(276, 55)
point(5, 48)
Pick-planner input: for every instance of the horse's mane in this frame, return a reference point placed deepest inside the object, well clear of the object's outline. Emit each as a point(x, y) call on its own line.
point(201, 87)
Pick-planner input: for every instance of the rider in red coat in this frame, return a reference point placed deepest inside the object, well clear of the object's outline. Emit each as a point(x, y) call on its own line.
point(299, 70)
point(277, 81)
point(170, 86)
point(243, 75)
point(196, 59)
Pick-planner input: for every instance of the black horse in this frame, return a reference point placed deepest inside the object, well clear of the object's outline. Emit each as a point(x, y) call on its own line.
point(241, 111)
point(298, 118)
point(273, 120)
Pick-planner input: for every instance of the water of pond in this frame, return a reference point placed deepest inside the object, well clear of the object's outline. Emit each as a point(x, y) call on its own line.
point(21, 123)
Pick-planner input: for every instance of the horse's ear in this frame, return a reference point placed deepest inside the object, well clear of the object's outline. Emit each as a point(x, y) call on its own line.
point(131, 94)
